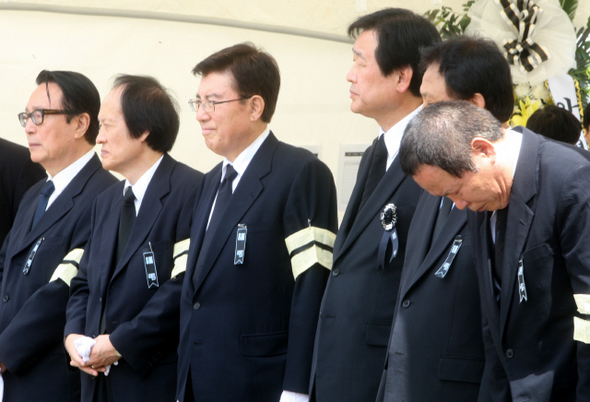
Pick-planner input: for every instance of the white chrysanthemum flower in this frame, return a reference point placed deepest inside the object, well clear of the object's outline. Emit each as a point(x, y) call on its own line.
point(539, 91)
point(522, 90)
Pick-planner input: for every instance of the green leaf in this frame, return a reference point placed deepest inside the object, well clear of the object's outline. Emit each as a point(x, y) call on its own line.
point(570, 7)
point(448, 22)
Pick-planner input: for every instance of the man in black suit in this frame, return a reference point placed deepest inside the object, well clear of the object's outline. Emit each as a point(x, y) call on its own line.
point(42, 251)
point(261, 244)
point(125, 299)
point(436, 347)
point(359, 300)
point(17, 174)
point(530, 203)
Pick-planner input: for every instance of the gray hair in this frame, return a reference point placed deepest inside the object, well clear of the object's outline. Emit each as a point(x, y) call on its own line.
point(441, 134)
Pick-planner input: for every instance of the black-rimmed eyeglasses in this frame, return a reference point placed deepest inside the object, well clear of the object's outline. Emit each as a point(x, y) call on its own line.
point(38, 115)
point(209, 105)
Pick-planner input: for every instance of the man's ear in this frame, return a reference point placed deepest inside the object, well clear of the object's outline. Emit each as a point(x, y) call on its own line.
point(404, 80)
point(257, 107)
point(82, 122)
point(483, 148)
point(478, 100)
point(144, 136)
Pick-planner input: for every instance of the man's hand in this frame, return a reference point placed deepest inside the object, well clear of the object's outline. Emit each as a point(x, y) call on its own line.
point(102, 354)
point(75, 359)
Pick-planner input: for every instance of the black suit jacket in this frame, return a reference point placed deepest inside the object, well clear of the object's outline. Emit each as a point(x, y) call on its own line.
point(358, 304)
point(32, 312)
point(142, 322)
point(436, 348)
point(247, 330)
point(17, 174)
point(530, 338)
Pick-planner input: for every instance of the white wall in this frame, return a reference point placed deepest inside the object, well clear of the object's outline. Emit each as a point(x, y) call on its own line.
point(313, 106)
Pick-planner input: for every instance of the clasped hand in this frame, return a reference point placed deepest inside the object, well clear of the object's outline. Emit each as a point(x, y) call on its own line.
point(102, 354)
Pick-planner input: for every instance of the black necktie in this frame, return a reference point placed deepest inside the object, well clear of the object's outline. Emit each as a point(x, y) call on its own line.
point(223, 197)
point(441, 218)
point(377, 169)
point(43, 199)
point(501, 216)
point(126, 222)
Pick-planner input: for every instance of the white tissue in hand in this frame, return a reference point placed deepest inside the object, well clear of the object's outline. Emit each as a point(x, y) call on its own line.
point(83, 346)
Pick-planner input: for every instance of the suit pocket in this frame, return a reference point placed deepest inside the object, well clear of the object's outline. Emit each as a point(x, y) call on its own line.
point(539, 252)
point(270, 344)
point(377, 334)
point(462, 369)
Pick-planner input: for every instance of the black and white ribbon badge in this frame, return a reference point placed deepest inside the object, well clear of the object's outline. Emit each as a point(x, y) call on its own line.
point(444, 269)
point(521, 285)
point(388, 218)
point(31, 256)
point(240, 244)
point(151, 273)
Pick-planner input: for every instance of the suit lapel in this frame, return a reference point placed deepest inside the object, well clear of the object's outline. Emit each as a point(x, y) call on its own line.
point(388, 185)
point(201, 217)
point(418, 241)
point(19, 233)
point(355, 200)
point(110, 232)
point(149, 211)
point(486, 272)
point(61, 206)
point(247, 191)
point(455, 222)
point(520, 217)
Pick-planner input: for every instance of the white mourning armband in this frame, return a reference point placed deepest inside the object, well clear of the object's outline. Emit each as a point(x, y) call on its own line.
point(582, 324)
point(310, 246)
point(180, 256)
point(68, 267)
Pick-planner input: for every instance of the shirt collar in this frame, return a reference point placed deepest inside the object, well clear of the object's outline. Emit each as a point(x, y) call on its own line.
point(245, 157)
point(514, 150)
point(140, 187)
point(393, 136)
point(63, 178)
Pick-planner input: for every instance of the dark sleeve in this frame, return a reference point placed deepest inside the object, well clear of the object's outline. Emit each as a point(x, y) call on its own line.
point(310, 222)
point(18, 174)
point(38, 326)
point(36, 329)
point(29, 174)
point(573, 221)
point(79, 291)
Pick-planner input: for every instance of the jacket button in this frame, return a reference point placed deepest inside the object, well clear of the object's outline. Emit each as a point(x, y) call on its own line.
point(406, 303)
point(197, 305)
point(335, 272)
point(5, 298)
point(510, 353)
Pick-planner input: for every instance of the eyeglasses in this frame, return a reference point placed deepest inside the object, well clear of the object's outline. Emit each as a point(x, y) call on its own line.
point(209, 105)
point(38, 115)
